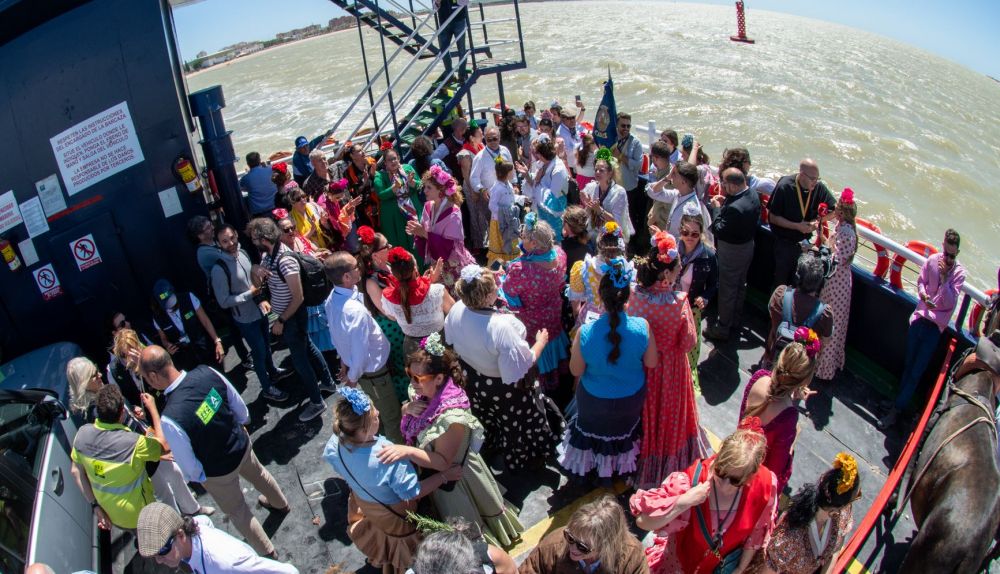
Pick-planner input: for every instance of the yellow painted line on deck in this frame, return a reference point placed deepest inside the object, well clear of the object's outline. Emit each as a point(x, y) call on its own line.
point(855, 567)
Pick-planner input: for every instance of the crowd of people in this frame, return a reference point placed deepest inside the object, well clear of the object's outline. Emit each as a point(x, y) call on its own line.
point(511, 296)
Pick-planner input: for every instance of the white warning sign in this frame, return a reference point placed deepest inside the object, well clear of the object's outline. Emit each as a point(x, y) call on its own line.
point(85, 252)
point(96, 148)
point(47, 281)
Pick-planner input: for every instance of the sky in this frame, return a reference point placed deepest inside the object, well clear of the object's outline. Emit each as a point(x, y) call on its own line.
point(964, 31)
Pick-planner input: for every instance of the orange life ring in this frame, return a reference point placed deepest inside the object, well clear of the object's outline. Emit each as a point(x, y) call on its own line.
point(976, 315)
point(883, 263)
point(896, 271)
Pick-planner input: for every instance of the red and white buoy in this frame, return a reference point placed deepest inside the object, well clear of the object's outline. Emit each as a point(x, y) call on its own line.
point(741, 25)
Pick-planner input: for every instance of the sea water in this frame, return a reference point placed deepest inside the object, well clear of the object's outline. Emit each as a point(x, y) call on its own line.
point(916, 136)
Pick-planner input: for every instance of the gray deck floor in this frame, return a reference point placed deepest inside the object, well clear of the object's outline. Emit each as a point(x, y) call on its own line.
point(840, 418)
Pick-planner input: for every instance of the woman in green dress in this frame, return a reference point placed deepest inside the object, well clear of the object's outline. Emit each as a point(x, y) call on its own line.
point(440, 431)
point(396, 186)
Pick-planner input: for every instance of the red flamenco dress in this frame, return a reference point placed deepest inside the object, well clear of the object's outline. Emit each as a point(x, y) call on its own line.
point(681, 546)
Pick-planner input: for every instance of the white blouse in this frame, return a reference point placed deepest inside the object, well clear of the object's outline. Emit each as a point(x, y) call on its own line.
point(615, 203)
point(426, 318)
point(492, 343)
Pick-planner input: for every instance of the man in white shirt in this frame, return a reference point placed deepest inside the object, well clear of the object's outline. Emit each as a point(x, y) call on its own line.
point(204, 423)
point(483, 173)
point(169, 539)
point(363, 348)
point(571, 137)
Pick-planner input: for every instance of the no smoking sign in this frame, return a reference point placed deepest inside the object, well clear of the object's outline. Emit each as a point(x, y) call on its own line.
point(85, 252)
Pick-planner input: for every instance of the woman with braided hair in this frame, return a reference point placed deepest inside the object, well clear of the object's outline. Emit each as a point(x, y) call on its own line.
point(672, 438)
point(608, 355)
point(771, 396)
point(717, 514)
point(809, 536)
point(441, 432)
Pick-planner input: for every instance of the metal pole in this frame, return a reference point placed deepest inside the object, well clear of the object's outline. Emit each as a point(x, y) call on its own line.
point(520, 34)
point(364, 59)
point(503, 101)
point(388, 84)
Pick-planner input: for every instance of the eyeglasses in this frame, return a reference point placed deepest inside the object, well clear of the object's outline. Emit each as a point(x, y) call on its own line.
point(287, 229)
point(419, 378)
point(493, 139)
point(809, 177)
point(302, 199)
point(581, 546)
point(383, 248)
point(625, 126)
point(737, 482)
point(690, 233)
point(166, 547)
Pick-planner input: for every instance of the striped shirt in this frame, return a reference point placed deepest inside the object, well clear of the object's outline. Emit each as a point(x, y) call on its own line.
point(281, 296)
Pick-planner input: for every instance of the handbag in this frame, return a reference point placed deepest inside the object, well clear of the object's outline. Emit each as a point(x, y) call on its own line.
point(729, 562)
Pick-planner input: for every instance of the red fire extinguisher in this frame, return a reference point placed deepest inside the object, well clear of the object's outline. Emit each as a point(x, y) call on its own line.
point(9, 255)
point(184, 169)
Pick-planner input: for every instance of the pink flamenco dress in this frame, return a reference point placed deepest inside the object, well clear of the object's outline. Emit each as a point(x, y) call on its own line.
point(780, 433)
point(672, 438)
point(445, 240)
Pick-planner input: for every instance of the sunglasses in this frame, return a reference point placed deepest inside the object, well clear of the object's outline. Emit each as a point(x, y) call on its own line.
point(302, 200)
point(166, 547)
point(690, 233)
point(581, 546)
point(625, 126)
point(383, 248)
point(737, 482)
point(287, 229)
point(492, 139)
point(418, 378)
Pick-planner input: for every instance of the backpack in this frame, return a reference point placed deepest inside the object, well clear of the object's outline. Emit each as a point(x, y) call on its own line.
point(787, 327)
point(315, 286)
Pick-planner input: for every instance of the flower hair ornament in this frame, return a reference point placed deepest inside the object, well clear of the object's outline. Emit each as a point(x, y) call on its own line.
point(691, 209)
point(848, 468)
point(366, 235)
point(612, 228)
point(606, 155)
point(620, 272)
point(809, 340)
point(338, 186)
point(471, 272)
point(753, 425)
point(847, 197)
point(433, 345)
point(359, 401)
point(666, 247)
point(398, 255)
point(279, 213)
point(530, 220)
point(443, 179)
point(385, 145)
point(282, 167)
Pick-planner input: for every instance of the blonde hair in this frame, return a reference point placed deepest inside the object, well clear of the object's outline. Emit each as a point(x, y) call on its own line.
point(125, 341)
point(79, 372)
point(741, 454)
point(476, 293)
point(793, 370)
point(602, 523)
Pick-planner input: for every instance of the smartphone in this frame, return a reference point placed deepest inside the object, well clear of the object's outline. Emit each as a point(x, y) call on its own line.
point(578, 100)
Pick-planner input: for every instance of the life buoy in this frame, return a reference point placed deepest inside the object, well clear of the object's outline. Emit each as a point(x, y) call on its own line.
point(896, 271)
point(976, 315)
point(883, 263)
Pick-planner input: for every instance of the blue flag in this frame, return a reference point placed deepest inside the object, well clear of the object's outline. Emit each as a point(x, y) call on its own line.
point(605, 124)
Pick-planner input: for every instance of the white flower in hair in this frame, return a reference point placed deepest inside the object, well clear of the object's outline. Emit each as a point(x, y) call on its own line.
point(691, 208)
point(471, 272)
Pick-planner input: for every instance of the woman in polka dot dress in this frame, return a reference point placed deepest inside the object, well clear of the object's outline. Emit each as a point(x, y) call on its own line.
point(837, 291)
point(495, 357)
point(671, 436)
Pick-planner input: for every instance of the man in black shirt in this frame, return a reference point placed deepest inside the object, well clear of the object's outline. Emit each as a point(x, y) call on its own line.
point(794, 216)
point(734, 224)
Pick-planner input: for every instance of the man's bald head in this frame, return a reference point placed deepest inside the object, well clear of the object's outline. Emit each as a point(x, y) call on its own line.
point(734, 180)
point(808, 174)
point(157, 366)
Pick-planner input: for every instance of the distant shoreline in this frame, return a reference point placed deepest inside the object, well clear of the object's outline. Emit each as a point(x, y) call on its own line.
point(265, 50)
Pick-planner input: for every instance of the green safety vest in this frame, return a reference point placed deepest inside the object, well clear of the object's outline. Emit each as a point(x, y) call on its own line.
point(115, 459)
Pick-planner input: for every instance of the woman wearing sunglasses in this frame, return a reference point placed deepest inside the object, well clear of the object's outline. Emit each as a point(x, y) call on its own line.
point(441, 432)
point(596, 540)
point(716, 514)
point(699, 276)
point(811, 533)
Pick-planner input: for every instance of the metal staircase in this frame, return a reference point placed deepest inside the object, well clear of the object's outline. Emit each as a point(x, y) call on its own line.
point(413, 91)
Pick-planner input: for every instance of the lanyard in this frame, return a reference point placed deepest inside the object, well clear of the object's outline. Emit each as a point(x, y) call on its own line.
point(798, 194)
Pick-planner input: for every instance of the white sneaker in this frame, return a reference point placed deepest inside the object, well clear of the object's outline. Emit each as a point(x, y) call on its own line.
point(312, 411)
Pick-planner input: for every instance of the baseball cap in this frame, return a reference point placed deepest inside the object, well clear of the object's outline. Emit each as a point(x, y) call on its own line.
point(157, 523)
point(162, 290)
point(301, 141)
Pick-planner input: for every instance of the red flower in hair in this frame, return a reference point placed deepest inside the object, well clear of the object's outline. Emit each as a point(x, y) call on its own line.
point(338, 186)
point(366, 235)
point(280, 213)
point(282, 167)
point(847, 197)
point(666, 247)
point(385, 145)
point(398, 254)
point(751, 424)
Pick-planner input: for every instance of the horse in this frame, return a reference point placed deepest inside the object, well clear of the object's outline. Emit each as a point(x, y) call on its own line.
point(955, 496)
